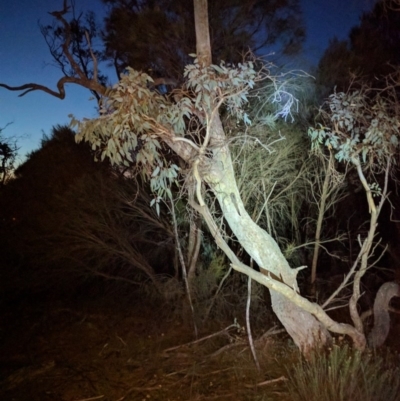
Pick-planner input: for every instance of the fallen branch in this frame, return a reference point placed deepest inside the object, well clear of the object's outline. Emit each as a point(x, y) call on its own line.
point(267, 382)
point(234, 325)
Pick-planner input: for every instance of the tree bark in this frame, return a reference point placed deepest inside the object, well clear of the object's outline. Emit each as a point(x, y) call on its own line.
point(381, 327)
point(306, 331)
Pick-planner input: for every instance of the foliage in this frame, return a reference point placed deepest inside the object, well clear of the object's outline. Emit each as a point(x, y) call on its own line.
point(335, 68)
point(364, 123)
point(271, 158)
point(29, 204)
point(35, 183)
point(271, 186)
point(134, 120)
point(169, 38)
point(363, 131)
point(343, 374)
point(135, 124)
point(110, 231)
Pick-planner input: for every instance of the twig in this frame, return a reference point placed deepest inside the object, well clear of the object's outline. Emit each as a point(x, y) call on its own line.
point(251, 342)
point(271, 332)
point(234, 325)
point(91, 398)
point(227, 347)
point(182, 260)
point(267, 382)
point(141, 389)
point(217, 292)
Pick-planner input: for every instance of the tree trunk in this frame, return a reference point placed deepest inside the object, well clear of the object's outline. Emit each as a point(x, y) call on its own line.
point(306, 331)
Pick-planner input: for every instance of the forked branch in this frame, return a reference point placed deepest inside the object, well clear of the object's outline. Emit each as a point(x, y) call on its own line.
point(78, 77)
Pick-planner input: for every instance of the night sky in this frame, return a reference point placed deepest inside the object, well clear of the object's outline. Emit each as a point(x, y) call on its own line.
point(25, 59)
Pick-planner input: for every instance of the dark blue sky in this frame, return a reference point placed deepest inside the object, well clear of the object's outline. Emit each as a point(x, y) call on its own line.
point(25, 59)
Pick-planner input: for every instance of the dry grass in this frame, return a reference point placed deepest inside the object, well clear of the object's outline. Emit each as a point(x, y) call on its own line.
point(106, 349)
point(93, 351)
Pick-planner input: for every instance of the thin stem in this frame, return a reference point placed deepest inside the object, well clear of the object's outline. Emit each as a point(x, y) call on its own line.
point(182, 260)
point(251, 342)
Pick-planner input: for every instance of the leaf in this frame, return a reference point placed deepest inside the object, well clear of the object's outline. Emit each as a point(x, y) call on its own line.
point(198, 99)
point(156, 171)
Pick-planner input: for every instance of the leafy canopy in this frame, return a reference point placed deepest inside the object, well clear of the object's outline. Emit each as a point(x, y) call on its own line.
point(135, 120)
point(361, 123)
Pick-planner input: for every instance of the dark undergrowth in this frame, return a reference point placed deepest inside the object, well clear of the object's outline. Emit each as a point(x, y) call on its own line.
point(116, 346)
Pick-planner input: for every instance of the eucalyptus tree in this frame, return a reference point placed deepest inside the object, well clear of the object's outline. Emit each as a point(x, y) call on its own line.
point(80, 35)
point(137, 126)
point(132, 113)
point(360, 128)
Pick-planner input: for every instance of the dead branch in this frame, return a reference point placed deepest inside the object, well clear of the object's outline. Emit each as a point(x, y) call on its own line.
point(80, 78)
point(234, 325)
point(87, 83)
point(267, 382)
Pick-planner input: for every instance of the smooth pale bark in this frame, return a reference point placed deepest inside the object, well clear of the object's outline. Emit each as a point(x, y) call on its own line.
point(306, 331)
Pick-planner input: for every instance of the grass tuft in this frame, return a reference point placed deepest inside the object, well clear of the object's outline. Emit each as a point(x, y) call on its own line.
point(344, 374)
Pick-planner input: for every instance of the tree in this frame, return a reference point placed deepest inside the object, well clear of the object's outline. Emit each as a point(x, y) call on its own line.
point(361, 128)
point(71, 45)
point(136, 124)
point(162, 52)
point(327, 189)
point(372, 51)
point(32, 196)
point(133, 108)
point(71, 55)
point(8, 154)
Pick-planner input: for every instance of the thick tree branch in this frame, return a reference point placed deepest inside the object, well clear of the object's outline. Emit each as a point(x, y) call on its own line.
point(80, 77)
point(87, 83)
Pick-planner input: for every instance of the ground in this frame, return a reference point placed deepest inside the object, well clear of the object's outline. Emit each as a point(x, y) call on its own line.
point(102, 349)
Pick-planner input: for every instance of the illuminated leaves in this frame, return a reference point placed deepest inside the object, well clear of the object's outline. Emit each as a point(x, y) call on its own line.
point(221, 83)
point(135, 119)
point(360, 124)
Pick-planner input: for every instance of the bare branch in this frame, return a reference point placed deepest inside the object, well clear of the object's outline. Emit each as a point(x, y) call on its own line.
point(87, 83)
point(79, 77)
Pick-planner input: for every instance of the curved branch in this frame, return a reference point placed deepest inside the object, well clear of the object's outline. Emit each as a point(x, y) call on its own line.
point(79, 78)
point(270, 282)
point(85, 82)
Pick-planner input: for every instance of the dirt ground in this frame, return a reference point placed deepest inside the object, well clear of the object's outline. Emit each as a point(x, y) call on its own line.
point(102, 350)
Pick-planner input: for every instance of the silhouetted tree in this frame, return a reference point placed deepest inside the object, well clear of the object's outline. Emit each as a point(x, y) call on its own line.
point(8, 154)
point(371, 53)
point(157, 36)
point(74, 41)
